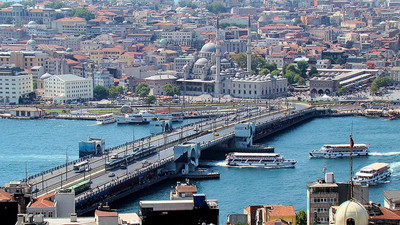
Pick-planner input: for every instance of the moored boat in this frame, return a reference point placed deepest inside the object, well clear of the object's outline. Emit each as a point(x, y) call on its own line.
point(130, 118)
point(373, 174)
point(105, 119)
point(339, 151)
point(263, 160)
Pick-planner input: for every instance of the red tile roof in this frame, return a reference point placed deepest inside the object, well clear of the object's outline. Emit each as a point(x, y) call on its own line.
point(281, 210)
point(4, 196)
point(70, 19)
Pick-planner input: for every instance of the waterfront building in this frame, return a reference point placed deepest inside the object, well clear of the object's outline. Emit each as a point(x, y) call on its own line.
point(156, 83)
point(103, 78)
point(15, 84)
point(324, 193)
point(60, 204)
point(62, 88)
point(170, 212)
point(392, 199)
point(27, 112)
point(268, 213)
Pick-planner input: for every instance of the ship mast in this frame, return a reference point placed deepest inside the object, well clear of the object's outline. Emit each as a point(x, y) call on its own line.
point(351, 162)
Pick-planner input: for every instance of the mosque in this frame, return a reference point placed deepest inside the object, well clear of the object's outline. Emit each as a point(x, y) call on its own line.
point(211, 72)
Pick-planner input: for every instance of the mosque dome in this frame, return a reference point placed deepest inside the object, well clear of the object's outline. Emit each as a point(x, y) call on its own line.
point(351, 212)
point(69, 50)
point(126, 109)
point(209, 47)
point(163, 41)
point(201, 61)
point(32, 24)
point(224, 61)
point(45, 76)
point(31, 42)
point(263, 19)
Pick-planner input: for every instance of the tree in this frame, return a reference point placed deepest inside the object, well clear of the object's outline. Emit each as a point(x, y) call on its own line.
point(313, 72)
point(349, 44)
point(34, 84)
point(9, 20)
point(168, 90)
point(225, 25)
point(216, 7)
point(380, 82)
point(264, 72)
point(21, 23)
point(83, 13)
point(301, 217)
point(100, 92)
point(177, 90)
point(28, 3)
point(291, 76)
point(301, 81)
point(5, 5)
point(150, 99)
point(143, 89)
point(114, 91)
point(275, 72)
point(58, 15)
point(303, 66)
point(342, 91)
point(57, 5)
point(297, 22)
point(340, 61)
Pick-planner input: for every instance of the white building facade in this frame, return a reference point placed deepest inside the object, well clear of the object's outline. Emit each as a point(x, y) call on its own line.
point(62, 88)
point(14, 83)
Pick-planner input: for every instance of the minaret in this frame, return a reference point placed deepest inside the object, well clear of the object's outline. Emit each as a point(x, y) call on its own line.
point(249, 47)
point(217, 90)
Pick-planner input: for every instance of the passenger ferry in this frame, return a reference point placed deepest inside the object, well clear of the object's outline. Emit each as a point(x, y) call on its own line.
point(105, 119)
point(130, 118)
point(339, 151)
point(373, 174)
point(264, 160)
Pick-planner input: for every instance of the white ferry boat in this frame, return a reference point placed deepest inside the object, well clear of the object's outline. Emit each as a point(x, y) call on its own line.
point(130, 118)
point(339, 151)
point(373, 174)
point(265, 160)
point(105, 119)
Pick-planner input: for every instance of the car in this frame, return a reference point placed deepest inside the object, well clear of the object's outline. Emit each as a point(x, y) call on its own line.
point(111, 174)
point(216, 134)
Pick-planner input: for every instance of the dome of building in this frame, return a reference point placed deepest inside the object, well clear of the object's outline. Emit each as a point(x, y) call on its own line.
point(263, 19)
point(163, 41)
point(31, 42)
point(69, 50)
point(45, 76)
point(126, 109)
point(201, 61)
point(209, 47)
point(224, 61)
point(32, 24)
point(351, 212)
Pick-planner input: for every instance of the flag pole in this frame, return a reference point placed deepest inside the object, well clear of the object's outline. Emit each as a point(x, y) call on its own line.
point(351, 161)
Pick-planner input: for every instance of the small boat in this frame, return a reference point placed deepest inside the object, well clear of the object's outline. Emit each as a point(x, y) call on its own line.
point(373, 174)
point(105, 119)
point(263, 160)
point(339, 151)
point(130, 118)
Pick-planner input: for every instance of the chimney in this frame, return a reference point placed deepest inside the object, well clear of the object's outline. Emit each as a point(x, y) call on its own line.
point(73, 217)
point(20, 219)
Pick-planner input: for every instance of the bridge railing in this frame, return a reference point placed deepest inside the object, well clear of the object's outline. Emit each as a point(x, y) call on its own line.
point(104, 187)
point(220, 139)
point(278, 119)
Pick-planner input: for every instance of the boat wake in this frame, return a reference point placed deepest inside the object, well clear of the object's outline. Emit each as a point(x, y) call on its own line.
point(395, 168)
point(212, 163)
point(384, 153)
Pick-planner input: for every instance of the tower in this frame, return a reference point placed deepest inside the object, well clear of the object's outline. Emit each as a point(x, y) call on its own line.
point(249, 47)
point(217, 89)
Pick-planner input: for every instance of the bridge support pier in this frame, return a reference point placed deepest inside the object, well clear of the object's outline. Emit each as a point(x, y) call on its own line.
point(186, 157)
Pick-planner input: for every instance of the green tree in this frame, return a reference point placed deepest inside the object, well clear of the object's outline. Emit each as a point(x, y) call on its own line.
point(313, 72)
point(301, 81)
point(303, 66)
point(114, 91)
point(275, 72)
point(27, 3)
point(177, 90)
point(380, 82)
point(34, 84)
point(150, 99)
point(297, 22)
point(240, 59)
point(58, 15)
point(216, 7)
point(9, 20)
point(143, 89)
point(100, 92)
point(292, 68)
point(264, 71)
point(168, 90)
point(291, 76)
point(301, 217)
point(342, 91)
point(340, 61)
point(82, 13)
point(57, 5)
point(225, 25)
point(349, 44)
point(21, 23)
point(5, 5)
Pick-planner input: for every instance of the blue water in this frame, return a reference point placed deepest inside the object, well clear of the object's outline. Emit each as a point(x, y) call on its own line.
point(240, 187)
point(42, 143)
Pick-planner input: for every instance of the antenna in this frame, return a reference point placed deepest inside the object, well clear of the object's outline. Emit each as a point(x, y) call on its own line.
point(351, 161)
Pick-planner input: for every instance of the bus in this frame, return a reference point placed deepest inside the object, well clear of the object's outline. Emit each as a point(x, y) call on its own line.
point(110, 165)
point(80, 187)
point(81, 166)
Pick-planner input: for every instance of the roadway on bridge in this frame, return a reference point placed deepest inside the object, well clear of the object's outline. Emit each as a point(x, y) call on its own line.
point(224, 125)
